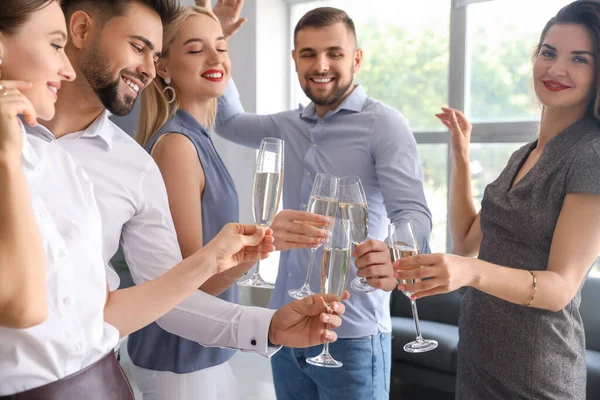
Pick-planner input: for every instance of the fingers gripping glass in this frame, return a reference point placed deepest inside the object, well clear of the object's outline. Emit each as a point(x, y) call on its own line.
point(324, 201)
point(334, 277)
point(353, 207)
point(266, 192)
point(403, 244)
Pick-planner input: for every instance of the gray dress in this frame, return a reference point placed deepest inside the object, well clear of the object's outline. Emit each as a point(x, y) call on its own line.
point(509, 351)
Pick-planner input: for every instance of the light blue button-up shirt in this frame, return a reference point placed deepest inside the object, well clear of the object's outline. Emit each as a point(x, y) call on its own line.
point(361, 137)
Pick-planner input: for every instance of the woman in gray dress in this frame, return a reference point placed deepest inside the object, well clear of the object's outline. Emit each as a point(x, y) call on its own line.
point(536, 236)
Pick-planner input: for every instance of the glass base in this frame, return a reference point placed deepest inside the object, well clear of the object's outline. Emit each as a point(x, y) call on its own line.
point(358, 286)
point(420, 346)
point(256, 281)
point(324, 360)
point(301, 293)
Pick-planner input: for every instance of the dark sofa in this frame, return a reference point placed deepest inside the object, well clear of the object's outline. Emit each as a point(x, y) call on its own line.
point(439, 321)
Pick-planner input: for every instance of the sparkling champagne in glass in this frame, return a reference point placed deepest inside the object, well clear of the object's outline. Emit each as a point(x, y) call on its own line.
point(403, 244)
point(324, 201)
point(266, 193)
point(354, 208)
point(334, 277)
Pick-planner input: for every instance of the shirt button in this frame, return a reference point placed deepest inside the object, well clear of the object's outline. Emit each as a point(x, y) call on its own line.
point(62, 255)
point(307, 173)
point(314, 145)
point(304, 206)
point(79, 347)
point(42, 214)
point(253, 342)
point(290, 274)
point(67, 301)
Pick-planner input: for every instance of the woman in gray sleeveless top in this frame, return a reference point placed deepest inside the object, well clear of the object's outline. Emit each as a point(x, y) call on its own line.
point(537, 234)
point(177, 111)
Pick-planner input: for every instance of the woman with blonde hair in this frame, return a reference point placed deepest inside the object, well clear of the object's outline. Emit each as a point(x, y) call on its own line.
point(178, 109)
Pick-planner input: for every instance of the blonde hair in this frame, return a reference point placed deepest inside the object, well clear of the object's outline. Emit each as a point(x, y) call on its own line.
point(155, 109)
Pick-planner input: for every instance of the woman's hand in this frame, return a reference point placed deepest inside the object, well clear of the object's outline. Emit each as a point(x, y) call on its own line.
point(12, 104)
point(299, 229)
point(443, 273)
point(237, 243)
point(228, 12)
point(460, 128)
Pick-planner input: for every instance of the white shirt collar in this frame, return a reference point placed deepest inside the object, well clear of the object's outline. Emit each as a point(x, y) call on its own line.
point(100, 128)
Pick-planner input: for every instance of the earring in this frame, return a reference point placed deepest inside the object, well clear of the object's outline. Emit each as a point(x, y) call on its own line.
point(3, 91)
point(169, 89)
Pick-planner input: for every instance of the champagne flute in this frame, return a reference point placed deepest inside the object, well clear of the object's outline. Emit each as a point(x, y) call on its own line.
point(266, 192)
point(324, 201)
point(403, 244)
point(353, 207)
point(334, 277)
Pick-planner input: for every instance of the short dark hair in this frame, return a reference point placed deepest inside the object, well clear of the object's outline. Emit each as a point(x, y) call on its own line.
point(16, 12)
point(166, 9)
point(585, 13)
point(325, 16)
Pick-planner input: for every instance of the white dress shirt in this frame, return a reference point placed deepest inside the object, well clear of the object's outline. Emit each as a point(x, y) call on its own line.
point(74, 335)
point(134, 206)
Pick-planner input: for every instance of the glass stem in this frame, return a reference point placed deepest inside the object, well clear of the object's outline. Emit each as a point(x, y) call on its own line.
point(310, 265)
point(257, 273)
point(326, 344)
point(413, 305)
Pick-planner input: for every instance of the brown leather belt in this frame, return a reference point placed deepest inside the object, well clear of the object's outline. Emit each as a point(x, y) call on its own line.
point(103, 380)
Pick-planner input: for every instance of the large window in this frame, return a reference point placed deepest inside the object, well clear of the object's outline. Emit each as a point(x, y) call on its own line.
point(474, 55)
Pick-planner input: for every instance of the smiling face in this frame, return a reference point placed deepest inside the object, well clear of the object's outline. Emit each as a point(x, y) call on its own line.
point(35, 53)
point(326, 60)
point(197, 61)
point(564, 71)
point(119, 61)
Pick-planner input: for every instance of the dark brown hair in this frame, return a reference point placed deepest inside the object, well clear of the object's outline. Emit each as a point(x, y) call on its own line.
point(323, 17)
point(107, 9)
point(16, 12)
point(585, 13)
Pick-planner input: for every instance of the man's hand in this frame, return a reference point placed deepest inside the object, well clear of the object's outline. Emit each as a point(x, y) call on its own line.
point(303, 323)
point(237, 243)
point(298, 229)
point(228, 12)
point(373, 262)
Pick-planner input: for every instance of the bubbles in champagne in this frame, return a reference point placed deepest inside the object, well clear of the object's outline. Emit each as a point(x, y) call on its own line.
point(398, 252)
point(334, 270)
point(265, 196)
point(358, 214)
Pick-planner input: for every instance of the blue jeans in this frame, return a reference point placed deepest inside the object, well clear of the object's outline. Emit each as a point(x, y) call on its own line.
point(364, 376)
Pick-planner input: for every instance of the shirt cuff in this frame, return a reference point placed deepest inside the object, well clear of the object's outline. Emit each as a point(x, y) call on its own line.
point(253, 331)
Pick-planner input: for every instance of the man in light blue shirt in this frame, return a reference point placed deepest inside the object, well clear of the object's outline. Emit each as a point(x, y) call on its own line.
point(342, 132)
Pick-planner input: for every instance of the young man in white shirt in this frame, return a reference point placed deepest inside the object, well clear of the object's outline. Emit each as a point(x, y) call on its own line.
point(113, 45)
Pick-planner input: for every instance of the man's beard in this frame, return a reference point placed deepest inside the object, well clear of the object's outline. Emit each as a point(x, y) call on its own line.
point(337, 92)
point(96, 70)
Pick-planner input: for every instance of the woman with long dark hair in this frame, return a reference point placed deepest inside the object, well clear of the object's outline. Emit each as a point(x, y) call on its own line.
point(536, 236)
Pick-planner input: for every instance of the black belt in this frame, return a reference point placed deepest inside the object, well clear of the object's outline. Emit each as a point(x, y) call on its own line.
point(103, 380)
